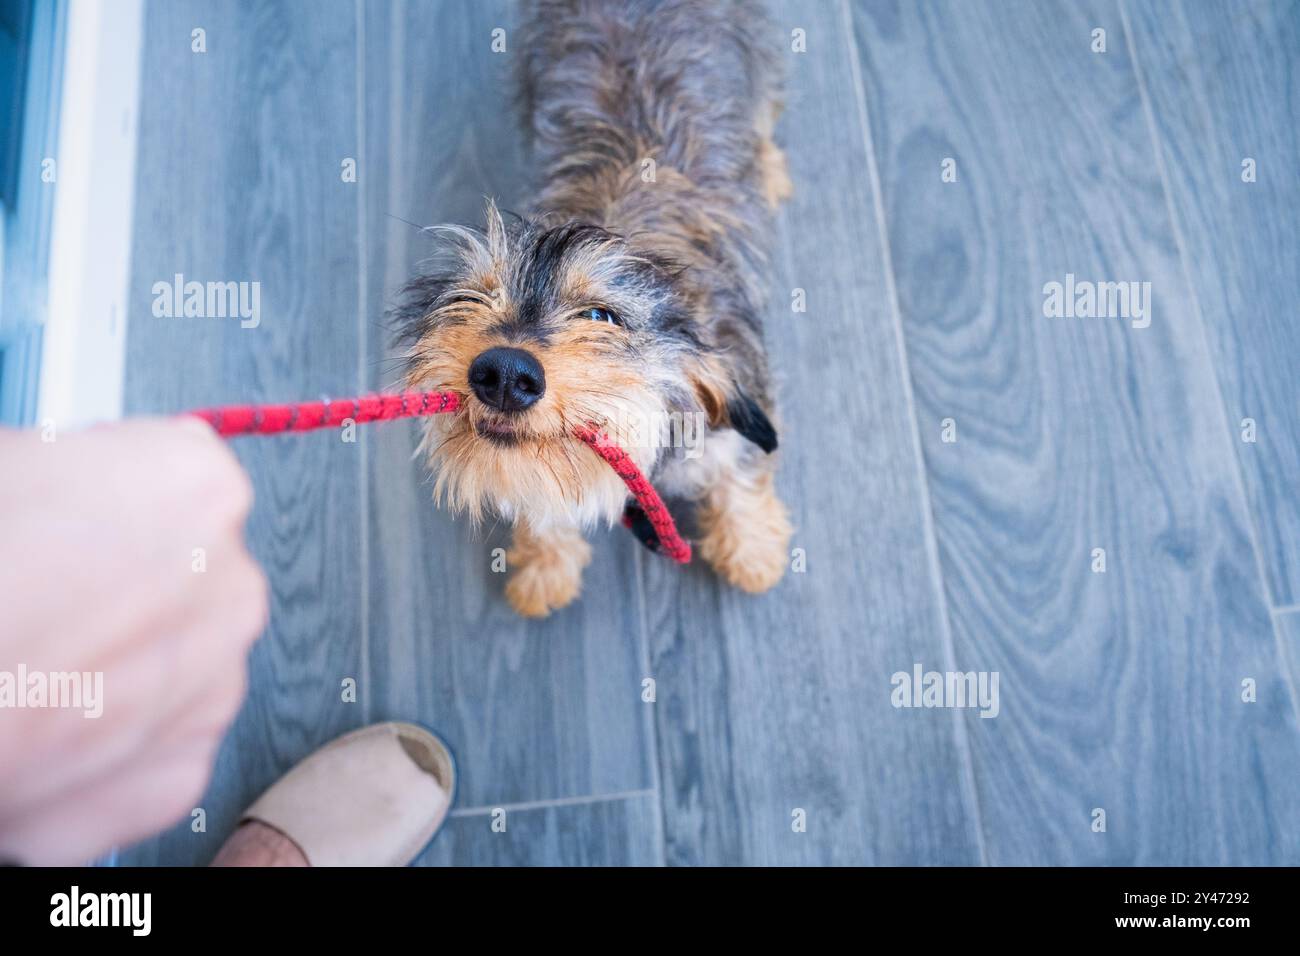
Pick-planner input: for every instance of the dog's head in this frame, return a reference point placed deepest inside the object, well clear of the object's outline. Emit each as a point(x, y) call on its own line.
point(544, 327)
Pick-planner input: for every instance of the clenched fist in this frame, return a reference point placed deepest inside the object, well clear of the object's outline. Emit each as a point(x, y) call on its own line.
point(126, 592)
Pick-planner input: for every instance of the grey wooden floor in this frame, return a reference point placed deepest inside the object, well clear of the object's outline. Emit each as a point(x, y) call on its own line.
point(1120, 690)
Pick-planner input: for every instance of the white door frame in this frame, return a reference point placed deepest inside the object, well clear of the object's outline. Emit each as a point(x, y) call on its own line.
point(83, 351)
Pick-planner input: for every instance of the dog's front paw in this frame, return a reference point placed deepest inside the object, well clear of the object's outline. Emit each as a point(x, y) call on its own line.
point(547, 572)
point(536, 591)
point(748, 544)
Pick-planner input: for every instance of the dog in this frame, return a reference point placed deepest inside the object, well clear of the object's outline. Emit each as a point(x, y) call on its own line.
point(628, 296)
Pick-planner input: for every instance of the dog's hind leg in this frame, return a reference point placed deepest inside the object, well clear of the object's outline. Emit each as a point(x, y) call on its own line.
point(545, 568)
point(773, 173)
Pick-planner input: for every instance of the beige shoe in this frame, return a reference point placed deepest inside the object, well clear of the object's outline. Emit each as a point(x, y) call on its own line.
point(373, 797)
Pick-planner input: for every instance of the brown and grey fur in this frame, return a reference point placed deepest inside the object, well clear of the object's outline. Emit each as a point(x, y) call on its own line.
point(676, 248)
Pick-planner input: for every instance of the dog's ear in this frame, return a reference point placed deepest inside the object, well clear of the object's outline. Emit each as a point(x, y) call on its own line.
point(746, 417)
point(727, 406)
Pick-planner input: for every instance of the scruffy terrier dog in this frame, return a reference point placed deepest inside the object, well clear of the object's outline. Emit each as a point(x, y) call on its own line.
point(629, 297)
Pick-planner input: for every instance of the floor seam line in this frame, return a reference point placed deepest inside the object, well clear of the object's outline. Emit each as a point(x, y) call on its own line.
point(905, 374)
point(556, 802)
point(648, 719)
point(363, 289)
point(1175, 225)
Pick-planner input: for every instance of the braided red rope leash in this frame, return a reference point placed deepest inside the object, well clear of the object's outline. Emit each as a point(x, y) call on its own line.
point(232, 420)
point(306, 416)
point(670, 542)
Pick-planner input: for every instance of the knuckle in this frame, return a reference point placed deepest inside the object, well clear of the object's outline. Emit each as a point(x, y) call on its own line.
point(230, 698)
point(204, 464)
point(235, 488)
point(242, 488)
point(213, 463)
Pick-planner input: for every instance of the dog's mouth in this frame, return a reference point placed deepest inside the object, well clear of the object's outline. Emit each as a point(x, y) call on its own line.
point(498, 431)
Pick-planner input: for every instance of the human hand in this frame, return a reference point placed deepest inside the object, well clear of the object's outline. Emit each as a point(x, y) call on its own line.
point(122, 556)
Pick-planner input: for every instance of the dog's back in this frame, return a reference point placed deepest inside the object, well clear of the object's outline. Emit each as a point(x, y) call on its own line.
point(653, 119)
point(610, 84)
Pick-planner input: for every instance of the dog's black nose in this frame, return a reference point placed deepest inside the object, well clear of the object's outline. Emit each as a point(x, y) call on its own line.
point(507, 379)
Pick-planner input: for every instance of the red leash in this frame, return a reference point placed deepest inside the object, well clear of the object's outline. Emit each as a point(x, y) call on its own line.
point(306, 416)
point(234, 420)
point(670, 542)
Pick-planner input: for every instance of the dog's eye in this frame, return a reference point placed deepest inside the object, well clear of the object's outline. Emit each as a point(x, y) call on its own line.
point(460, 298)
point(601, 315)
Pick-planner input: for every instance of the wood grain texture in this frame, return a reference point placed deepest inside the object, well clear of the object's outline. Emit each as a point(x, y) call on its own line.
point(605, 833)
point(1288, 629)
point(780, 703)
point(239, 180)
point(1119, 690)
point(1224, 82)
point(533, 710)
